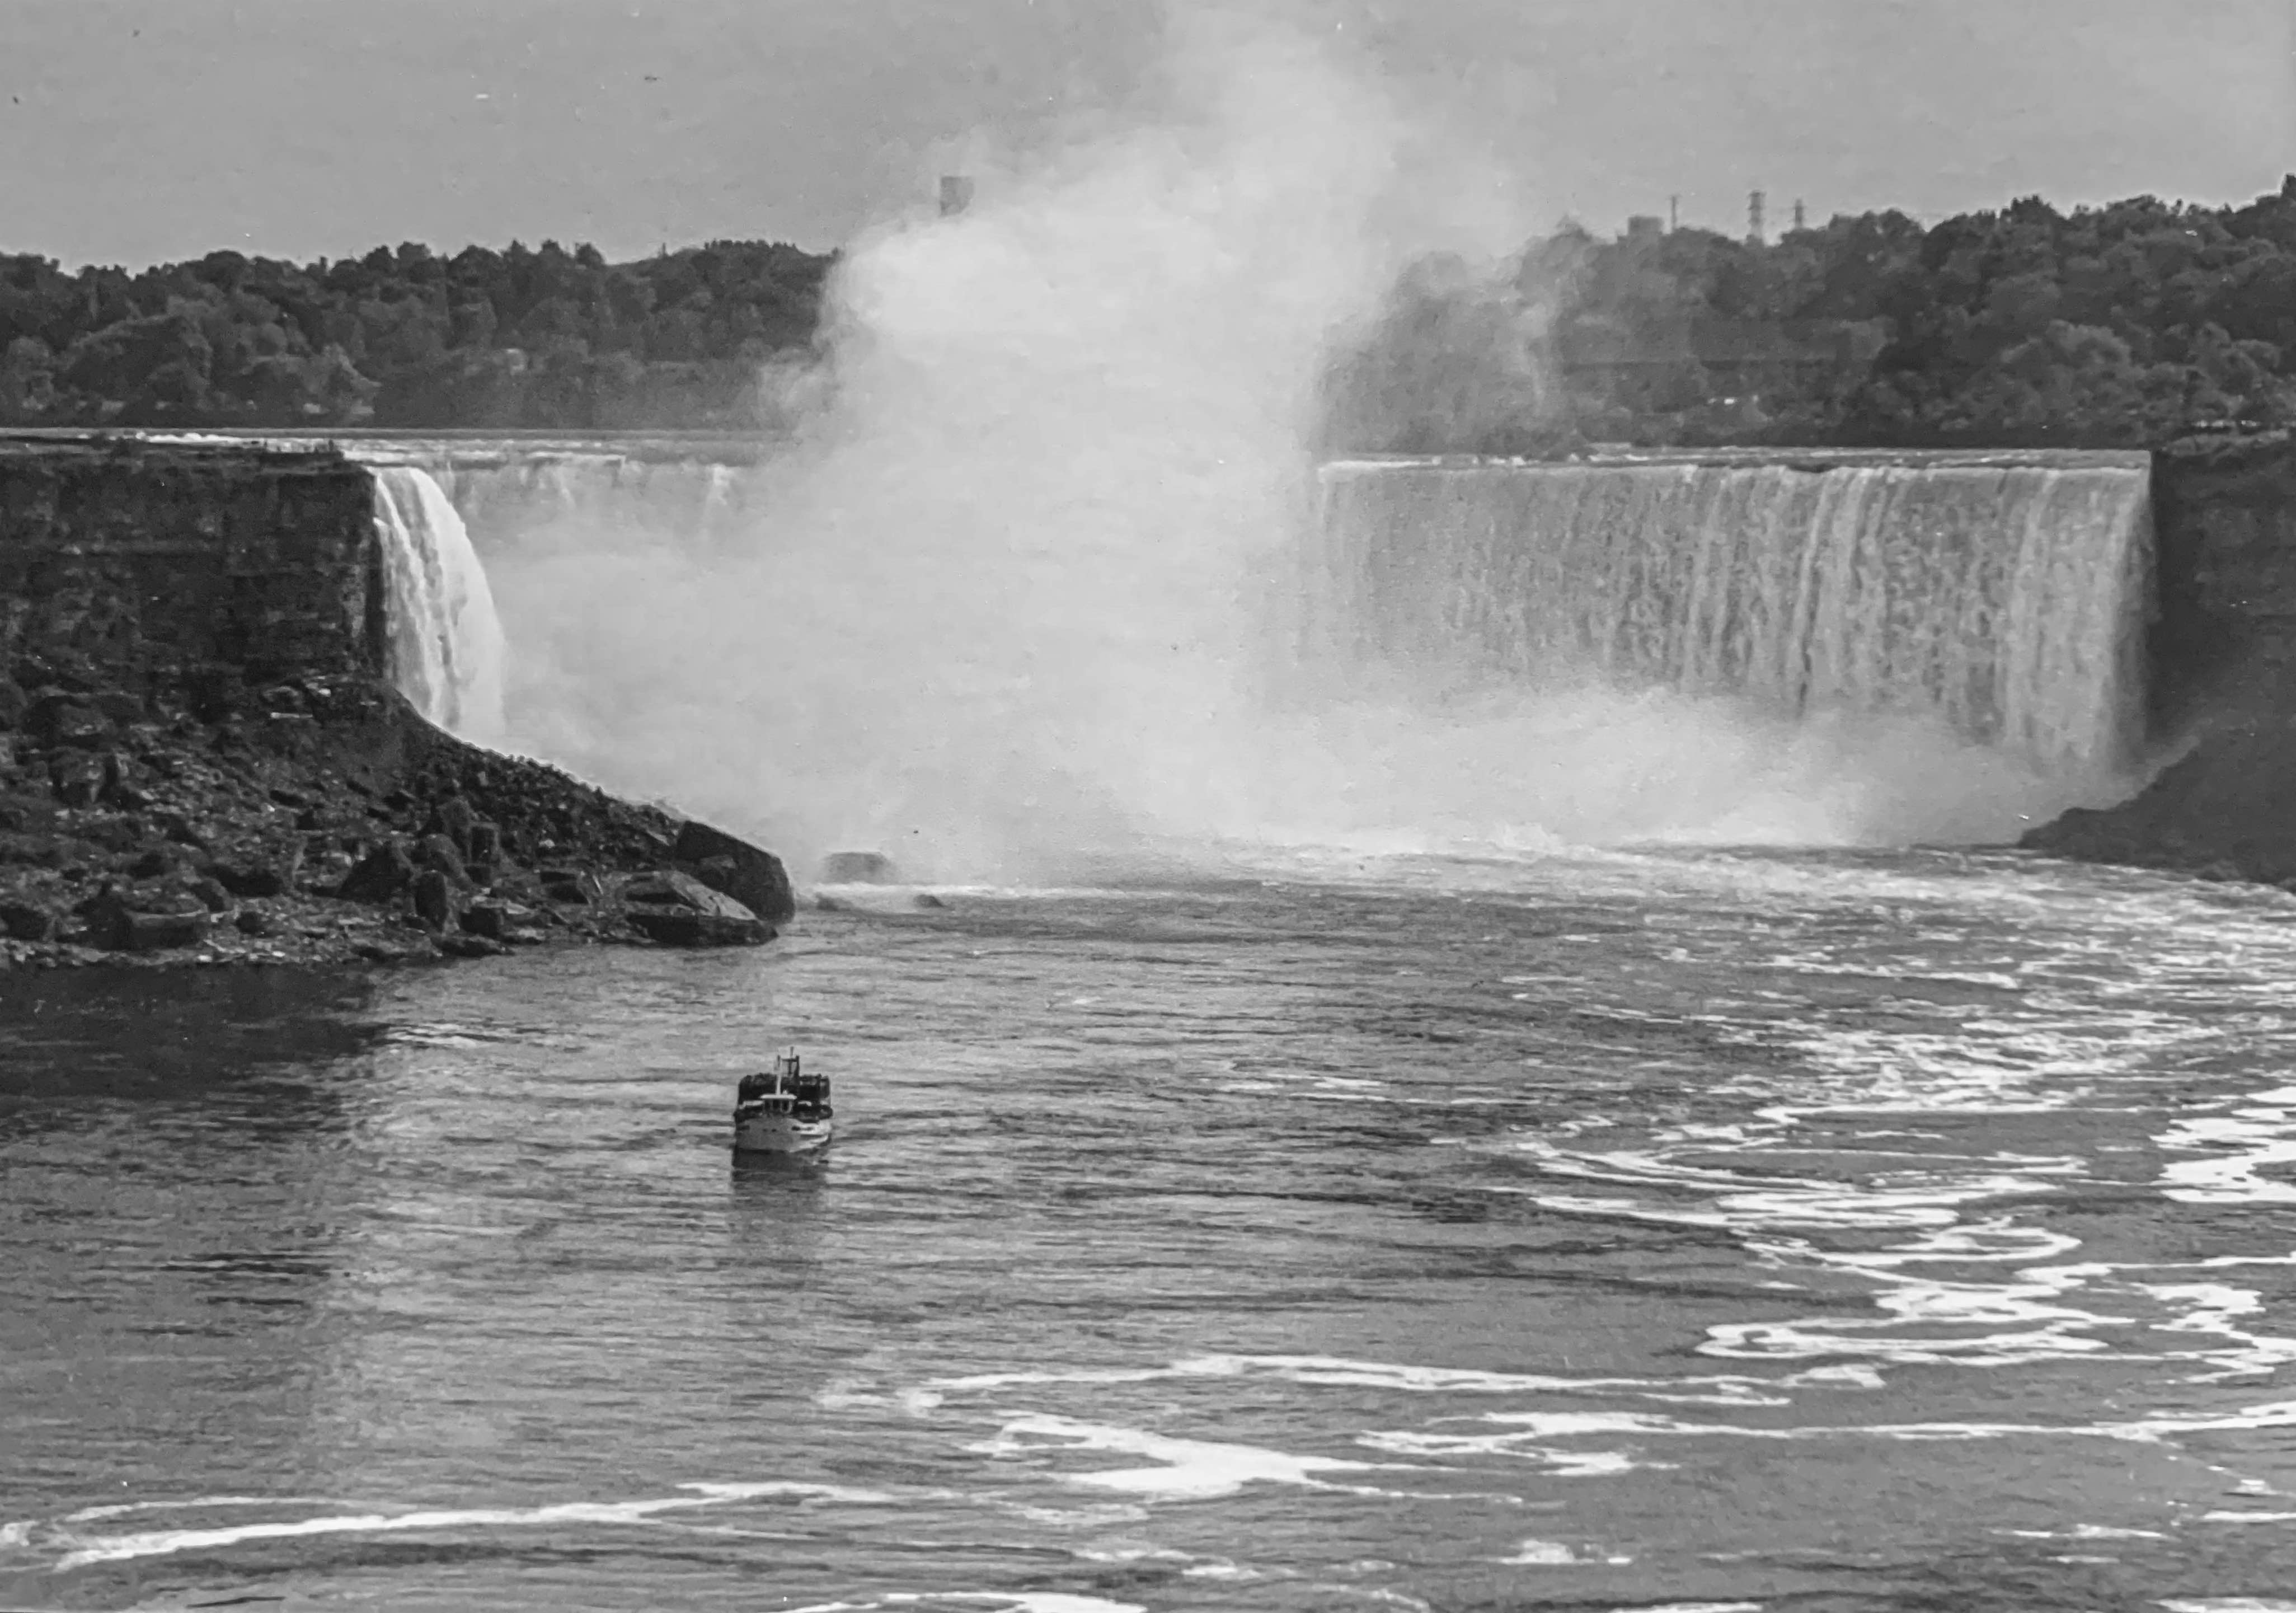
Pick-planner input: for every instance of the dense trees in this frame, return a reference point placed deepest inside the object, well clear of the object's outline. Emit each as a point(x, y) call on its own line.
point(2115, 325)
point(524, 337)
point(2120, 325)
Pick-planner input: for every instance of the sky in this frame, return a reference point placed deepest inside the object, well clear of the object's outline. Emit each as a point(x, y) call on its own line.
point(136, 131)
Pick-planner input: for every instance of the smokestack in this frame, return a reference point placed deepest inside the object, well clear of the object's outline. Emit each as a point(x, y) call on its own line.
point(955, 194)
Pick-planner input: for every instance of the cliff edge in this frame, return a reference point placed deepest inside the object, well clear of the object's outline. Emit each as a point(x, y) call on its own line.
point(202, 757)
point(2222, 656)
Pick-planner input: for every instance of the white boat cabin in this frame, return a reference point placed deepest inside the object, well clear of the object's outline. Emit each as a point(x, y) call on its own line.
point(784, 1089)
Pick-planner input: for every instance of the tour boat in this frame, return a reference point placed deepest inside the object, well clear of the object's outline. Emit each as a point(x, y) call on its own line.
point(784, 1111)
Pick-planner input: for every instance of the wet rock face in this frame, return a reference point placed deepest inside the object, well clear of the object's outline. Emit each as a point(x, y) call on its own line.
point(753, 877)
point(677, 910)
point(139, 568)
point(339, 841)
point(200, 760)
point(2223, 665)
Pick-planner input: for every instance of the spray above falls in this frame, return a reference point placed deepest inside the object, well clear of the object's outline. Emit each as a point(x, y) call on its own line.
point(447, 651)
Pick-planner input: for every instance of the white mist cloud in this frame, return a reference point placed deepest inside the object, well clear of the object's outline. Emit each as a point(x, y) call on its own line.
point(1014, 606)
point(1001, 608)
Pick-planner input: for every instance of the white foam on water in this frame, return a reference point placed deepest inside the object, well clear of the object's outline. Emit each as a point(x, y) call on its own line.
point(193, 1504)
point(1525, 1436)
point(2260, 1133)
point(1188, 1469)
point(1337, 1372)
point(1019, 1601)
point(86, 1550)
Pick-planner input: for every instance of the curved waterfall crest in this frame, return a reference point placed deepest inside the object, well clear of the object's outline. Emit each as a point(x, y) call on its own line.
point(446, 650)
point(2007, 599)
point(515, 499)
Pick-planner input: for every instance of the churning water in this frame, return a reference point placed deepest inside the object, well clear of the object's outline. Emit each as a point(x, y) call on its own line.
point(1410, 1208)
point(1759, 1231)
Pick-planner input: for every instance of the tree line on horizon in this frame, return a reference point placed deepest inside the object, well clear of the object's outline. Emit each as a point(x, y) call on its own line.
point(2121, 325)
point(524, 337)
point(2116, 325)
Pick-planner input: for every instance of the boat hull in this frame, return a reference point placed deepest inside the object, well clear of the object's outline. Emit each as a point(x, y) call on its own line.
point(779, 1134)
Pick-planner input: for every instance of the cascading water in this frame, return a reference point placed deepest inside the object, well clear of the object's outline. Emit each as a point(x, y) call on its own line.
point(447, 654)
point(2007, 599)
point(542, 497)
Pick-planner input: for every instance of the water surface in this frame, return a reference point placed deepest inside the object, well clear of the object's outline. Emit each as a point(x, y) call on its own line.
point(1779, 1232)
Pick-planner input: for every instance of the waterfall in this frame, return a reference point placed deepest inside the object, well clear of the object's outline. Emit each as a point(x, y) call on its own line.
point(2008, 599)
point(446, 643)
point(541, 498)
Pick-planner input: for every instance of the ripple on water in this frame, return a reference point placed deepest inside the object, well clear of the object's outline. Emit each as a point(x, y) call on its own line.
point(1627, 1231)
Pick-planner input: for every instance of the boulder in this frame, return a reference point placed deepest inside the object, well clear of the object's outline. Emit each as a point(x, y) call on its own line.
point(679, 927)
point(121, 706)
point(857, 868)
point(179, 829)
point(123, 783)
point(471, 946)
point(439, 851)
point(486, 844)
point(28, 921)
point(750, 876)
point(434, 899)
point(67, 721)
point(120, 835)
point(157, 862)
point(254, 921)
point(384, 952)
point(380, 876)
point(576, 885)
point(158, 931)
point(137, 920)
point(490, 919)
point(76, 778)
point(268, 876)
point(673, 889)
point(454, 817)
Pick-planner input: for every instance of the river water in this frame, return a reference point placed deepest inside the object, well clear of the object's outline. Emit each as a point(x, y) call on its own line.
point(1640, 1230)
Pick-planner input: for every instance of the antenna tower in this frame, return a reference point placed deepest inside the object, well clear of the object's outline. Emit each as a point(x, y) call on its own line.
point(1798, 215)
point(1672, 214)
point(1754, 200)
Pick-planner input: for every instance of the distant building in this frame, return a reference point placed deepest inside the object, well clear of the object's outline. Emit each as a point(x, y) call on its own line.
point(955, 194)
point(1646, 227)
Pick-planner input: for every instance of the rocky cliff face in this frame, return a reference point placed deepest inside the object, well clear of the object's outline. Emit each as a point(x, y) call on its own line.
point(201, 757)
point(186, 572)
point(2223, 674)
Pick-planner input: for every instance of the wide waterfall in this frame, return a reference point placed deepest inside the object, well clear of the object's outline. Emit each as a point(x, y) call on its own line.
point(446, 649)
point(2008, 598)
